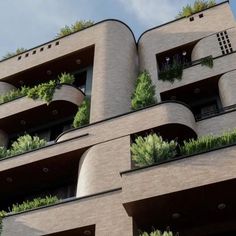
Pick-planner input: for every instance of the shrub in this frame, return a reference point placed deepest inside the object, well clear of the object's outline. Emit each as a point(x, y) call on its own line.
point(2, 215)
point(13, 94)
point(197, 6)
point(82, 116)
point(66, 78)
point(4, 152)
point(43, 91)
point(11, 54)
point(144, 93)
point(207, 61)
point(152, 149)
point(157, 233)
point(207, 142)
point(37, 202)
point(26, 143)
point(172, 71)
point(77, 26)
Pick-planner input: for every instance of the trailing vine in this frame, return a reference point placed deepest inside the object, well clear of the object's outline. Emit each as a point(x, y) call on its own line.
point(207, 61)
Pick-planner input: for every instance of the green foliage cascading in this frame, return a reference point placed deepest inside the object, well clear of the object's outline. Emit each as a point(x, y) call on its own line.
point(82, 116)
point(144, 93)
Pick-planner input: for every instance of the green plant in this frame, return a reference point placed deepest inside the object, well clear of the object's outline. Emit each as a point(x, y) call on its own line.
point(66, 78)
point(4, 152)
point(35, 203)
point(152, 149)
point(207, 61)
point(2, 215)
point(172, 71)
point(77, 26)
point(82, 116)
point(144, 92)
point(207, 143)
point(26, 143)
point(13, 94)
point(197, 6)
point(11, 54)
point(157, 233)
point(43, 91)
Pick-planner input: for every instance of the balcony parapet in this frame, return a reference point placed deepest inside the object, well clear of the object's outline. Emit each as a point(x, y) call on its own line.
point(179, 174)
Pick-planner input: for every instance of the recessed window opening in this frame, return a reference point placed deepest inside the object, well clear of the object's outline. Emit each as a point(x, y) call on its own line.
point(49, 46)
point(57, 43)
point(191, 18)
point(27, 54)
point(201, 15)
point(41, 49)
point(202, 97)
point(34, 52)
point(19, 58)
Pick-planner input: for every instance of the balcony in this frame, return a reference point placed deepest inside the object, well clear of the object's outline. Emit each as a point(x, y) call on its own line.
point(75, 215)
point(197, 72)
point(65, 102)
point(192, 195)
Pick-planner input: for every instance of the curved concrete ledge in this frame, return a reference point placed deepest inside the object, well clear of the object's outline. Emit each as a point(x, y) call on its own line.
point(196, 73)
point(227, 88)
point(65, 93)
point(208, 46)
point(100, 165)
point(6, 87)
point(94, 210)
point(225, 122)
point(191, 172)
point(68, 93)
point(3, 138)
point(161, 114)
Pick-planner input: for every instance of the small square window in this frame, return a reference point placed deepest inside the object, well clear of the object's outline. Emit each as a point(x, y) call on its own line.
point(49, 45)
point(231, 49)
point(19, 57)
point(57, 43)
point(221, 33)
point(201, 15)
point(34, 52)
point(27, 54)
point(220, 43)
point(223, 52)
point(227, 51)
point(222, 48)
point(41, 49)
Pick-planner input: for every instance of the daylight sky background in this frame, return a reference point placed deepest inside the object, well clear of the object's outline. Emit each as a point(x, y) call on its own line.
point(28, 23)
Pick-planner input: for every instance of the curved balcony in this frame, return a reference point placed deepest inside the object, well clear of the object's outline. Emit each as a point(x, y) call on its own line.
point(227, 87)
point(5, 87)
point(164, 113)
point(197, 72)
point(206, 47)
point(25, 113)
point(73, 217)
point(190, 172)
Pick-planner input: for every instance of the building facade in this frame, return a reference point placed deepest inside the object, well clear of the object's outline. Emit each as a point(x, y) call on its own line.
point(90, 168)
